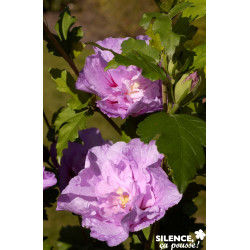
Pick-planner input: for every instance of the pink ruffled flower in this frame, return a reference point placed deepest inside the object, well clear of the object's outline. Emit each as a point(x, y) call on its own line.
point(122, 188)
point(49, 179)
point(123, 91)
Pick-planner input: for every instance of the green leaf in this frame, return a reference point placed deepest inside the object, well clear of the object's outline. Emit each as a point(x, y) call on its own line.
point(147, 17)
point(197, 11)
point(64, 23)
point(178, 8)
point(149, 65)
point(77, 49)
point(200, 58)
point(76, 45)
point(184, 59)
point(169, 39)
point(183, 27)
point(140, 46)
point(69, 131)
point(77, 33)
point(149, 68)
point(46, 245)
point(112, 65)
point(63, 245)
point(125, 137)
point(68, 39)
point(166, 6)
point(146, 232)
point(130, 125)
point(180, 138)
point(63, 116)
point(67, 22)
point(66, 83)
point(155, 42)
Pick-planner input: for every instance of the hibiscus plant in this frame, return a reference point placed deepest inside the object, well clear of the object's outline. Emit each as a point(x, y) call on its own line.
point(126, 193)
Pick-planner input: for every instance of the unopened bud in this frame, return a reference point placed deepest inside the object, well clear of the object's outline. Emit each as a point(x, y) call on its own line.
point(195, 79)
point(186, 87)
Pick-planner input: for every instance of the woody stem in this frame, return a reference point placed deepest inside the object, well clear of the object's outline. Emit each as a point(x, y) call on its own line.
point(141, 236)
point(58, 47)
point(111, 122)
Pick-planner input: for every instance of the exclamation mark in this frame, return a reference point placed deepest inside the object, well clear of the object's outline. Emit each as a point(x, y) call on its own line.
point(198, 244)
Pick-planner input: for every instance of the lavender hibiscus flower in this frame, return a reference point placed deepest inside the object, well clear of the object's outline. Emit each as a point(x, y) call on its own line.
point(123, 91)
point(122, 188)
point(49, 179)
point(73, 159)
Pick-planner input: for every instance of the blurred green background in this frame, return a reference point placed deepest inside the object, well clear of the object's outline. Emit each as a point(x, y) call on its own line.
point(99, 19)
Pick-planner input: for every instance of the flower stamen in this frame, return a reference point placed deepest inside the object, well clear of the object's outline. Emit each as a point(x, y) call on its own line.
point(124, 197)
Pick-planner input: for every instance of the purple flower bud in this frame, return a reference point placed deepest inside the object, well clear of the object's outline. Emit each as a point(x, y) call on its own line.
point(186, 88)
point(122, 189)
point(195, 79)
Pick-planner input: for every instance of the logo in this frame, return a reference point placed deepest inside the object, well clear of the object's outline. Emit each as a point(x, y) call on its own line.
point(200, 235)
point(180, 241)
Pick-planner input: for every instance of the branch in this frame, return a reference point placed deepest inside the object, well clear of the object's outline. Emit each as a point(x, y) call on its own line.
point(112, 123)
point(164, 96)
point(141, 236)
point(46, 120)
point(59, 48)
point(164, 86)
point(149, 241)
point(157, 227)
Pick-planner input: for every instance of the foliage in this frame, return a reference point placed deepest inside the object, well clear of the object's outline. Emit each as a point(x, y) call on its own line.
point(66, 83)
point(180, 137)
point(68, 38)
point(69, 123)
point(179, 128)
point(197, 10)
point(147, 60)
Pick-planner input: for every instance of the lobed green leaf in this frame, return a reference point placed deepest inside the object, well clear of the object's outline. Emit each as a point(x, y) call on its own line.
point(66, 83)
point(69, 131)
point(169, 39)
point(155, 42)
point(147, 17)
point(180, 137)
point(68, 39)
point(200, 57)
point(149, 68)
point(63, 116)
point(64, 23)
point(178, 8)
point(167, 5)
point(197, 10)
point(140, 46)
point(183, 27)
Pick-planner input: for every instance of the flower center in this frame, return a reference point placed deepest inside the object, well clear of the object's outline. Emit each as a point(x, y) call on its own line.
point(135, 92)
point(124, 197)
point(135, 87)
